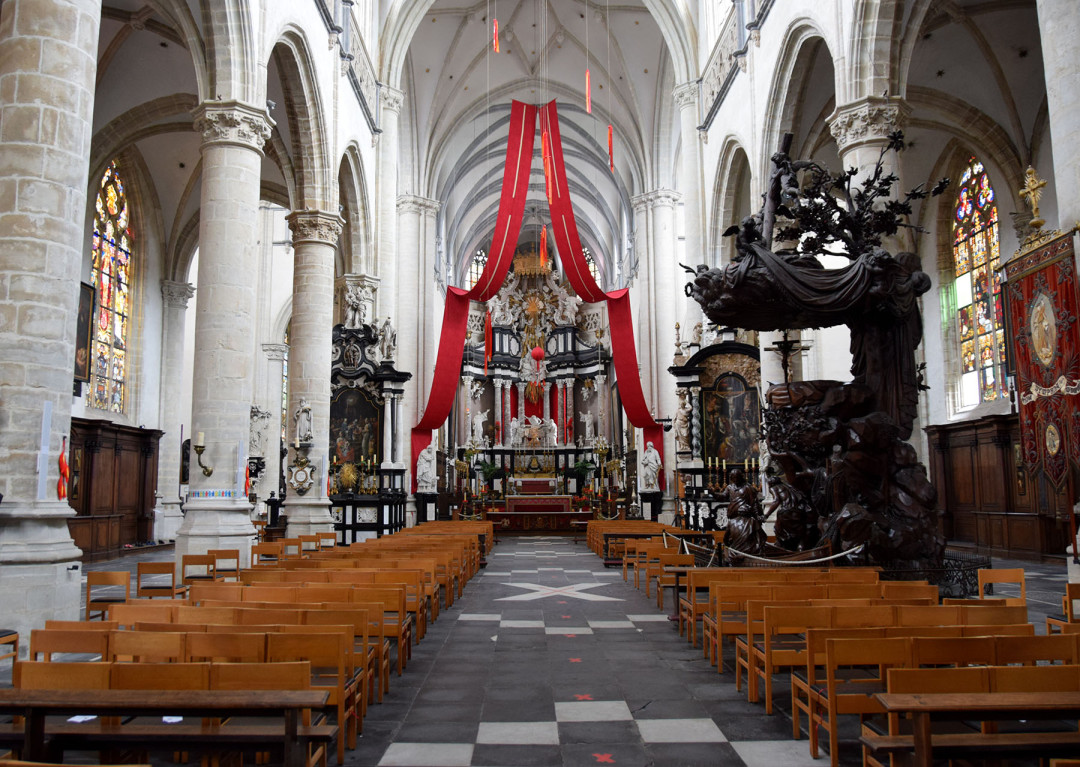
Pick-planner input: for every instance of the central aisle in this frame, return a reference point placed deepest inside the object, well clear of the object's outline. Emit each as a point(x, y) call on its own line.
point(551, 659)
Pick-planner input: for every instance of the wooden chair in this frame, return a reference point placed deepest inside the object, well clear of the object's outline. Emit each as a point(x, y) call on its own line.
point(266, 554)
point(295, 675)
point(1070, 609)
point(130, 614)
point(327, 540)
point(9, 637)
point(330, 655)
point(1012, 575)
point(46, 642)
point(291, 548)
point(232, 647)
point(106, 580)
point(160, 676)
point(226, 564)
point(148, 646)
point(79, 675)
point(160, 581)
point(197, 568)
point(309, 544)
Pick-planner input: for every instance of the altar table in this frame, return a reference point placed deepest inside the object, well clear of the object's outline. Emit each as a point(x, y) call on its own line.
point(538, 514)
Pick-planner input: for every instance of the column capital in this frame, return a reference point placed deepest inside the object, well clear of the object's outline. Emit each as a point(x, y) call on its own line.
point(686, 94)
point(411, 203)
point(656, 198)
point(275, 352)
point(315, 225)
point(176, 294)
point(869, 120)
point(232, 122)
point(392, 98)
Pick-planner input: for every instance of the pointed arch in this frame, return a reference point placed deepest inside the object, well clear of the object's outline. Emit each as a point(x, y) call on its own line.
point(732, 199)
point(355, 246)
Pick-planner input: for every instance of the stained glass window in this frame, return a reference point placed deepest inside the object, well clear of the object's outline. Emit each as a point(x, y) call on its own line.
point(976, 259)
point(476, 267)
point(111, 277)
point(590, 261)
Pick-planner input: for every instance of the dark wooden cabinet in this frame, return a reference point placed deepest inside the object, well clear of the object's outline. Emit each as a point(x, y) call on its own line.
point(987, 496)
point(113, 481)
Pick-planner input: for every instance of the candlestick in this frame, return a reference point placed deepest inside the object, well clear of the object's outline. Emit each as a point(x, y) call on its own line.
point(199, 439)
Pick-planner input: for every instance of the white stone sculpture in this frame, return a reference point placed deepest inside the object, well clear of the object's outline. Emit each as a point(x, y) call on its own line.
point(260, 419)
point(551, 431)
point(515, 427)
point(425, 470)
point(650, 466)
point(682, 423)
point(478, 426)
point(587, 423)
point(355, 308)
point(387, 341)
point(304, 423)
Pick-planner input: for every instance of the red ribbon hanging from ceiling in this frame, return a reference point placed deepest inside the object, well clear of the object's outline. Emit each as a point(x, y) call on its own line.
point(620, 318)
point(519, 152)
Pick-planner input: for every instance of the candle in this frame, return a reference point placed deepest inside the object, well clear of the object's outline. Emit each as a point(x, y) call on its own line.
point(745, 464)
point(199, 440)
point(725, 466)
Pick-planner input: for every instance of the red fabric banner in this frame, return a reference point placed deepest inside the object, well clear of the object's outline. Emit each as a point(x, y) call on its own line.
point(519, 152)
point(620, 318)
point(1043, 307)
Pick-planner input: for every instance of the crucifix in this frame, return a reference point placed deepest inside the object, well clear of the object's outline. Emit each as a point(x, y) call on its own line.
point(1031, 191)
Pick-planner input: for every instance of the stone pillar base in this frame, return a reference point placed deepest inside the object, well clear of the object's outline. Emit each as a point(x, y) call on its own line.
point(307, 517)
point(40, 575)
point(216, 524)
point(167, 525)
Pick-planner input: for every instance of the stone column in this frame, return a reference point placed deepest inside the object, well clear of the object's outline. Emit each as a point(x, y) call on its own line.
point(217, 514)
point(696, 443)
point(315, 233)
point(416, 296)
point(570, 415)
point(386, 460)
point(496, 411)
point(691, 184)
point(275, 363)
point(559, 411)
point(507, 414)
point(546, 399)
point(862, 128)
point(521, 401)
point(601, 411)
point(1059, 26)
point(175, 296)
point(386, 195)
point(48, 64)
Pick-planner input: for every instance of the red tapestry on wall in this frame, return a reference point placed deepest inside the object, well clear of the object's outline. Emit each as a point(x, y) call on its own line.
point(1044, 327)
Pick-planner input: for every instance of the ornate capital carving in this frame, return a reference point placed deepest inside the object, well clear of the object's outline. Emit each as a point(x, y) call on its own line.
point(315, 225)
point(275, 352)
point(656, 198)
point(686, 94)
point(230, 122)
point(176, 294)
point(870, 120)
point(411, 203)
point(392, 98)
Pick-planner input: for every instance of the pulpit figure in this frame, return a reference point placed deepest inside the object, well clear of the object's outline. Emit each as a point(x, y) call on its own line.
point(425, 470)
point(387, 340)
point(650, 467)
point(355, 308)
point(744, 531)
point(304, 423)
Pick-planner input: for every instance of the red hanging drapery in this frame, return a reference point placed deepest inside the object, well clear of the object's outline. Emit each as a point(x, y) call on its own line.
point(620, 318)
point(516, 171)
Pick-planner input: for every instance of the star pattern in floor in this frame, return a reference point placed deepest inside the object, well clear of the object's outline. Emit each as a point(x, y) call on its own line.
point(557, 661)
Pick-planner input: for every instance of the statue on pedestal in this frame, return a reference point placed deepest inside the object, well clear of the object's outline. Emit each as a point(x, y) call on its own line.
point(355, 308)
point(682, 423)
point(744, 531)
point(650, 467)
point(426, 477)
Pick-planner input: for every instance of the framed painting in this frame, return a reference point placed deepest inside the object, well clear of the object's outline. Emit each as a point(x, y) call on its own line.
point(83, 332)
point(731, 417)
point(355, 426)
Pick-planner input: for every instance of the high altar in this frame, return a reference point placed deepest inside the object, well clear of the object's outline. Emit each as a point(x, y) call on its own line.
point(537, 432)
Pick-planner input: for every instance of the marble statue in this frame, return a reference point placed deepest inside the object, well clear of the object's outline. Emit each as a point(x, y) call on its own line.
point(425, 470)
point(355, 308)
point(682, 424)
point(304, 423)
point(478, 426)
point(587, 423)
point(515, 427)
point(650, 467)
point(551, 431)
point(387, 341)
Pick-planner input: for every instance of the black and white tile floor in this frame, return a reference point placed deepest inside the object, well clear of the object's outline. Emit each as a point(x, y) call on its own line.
point(550, 659)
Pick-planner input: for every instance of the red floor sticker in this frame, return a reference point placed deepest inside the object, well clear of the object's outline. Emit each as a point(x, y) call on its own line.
point(575, 660)
point(585, 696)
point(604, 758)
